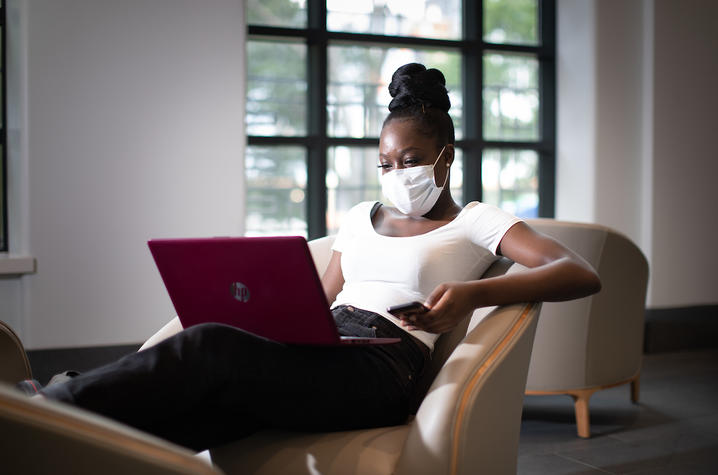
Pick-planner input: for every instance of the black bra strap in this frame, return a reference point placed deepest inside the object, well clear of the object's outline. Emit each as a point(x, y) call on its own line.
point(374, 209)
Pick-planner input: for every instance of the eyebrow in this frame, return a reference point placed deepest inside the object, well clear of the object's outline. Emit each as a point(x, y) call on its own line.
point(402, 152)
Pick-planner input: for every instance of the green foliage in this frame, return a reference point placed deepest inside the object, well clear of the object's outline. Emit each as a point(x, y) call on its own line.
point(276, 87)
point(511, 21)
point(276, 13)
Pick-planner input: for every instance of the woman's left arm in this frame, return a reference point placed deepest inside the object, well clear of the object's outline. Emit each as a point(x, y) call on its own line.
point(555, 273)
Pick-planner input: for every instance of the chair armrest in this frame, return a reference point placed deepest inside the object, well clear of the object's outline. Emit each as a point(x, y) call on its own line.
point(470, 415)
point(14, 365)
point(50, 437)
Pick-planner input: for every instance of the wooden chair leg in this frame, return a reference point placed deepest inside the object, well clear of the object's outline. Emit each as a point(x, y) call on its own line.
point(635, 388)
point(581, 397)
point(580, 403)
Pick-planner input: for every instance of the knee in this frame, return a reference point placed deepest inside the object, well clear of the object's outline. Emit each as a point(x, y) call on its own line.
point(213, 344)
point(206, 336)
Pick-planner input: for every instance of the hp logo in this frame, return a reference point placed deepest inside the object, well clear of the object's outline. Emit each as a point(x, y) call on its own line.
point(239, 291)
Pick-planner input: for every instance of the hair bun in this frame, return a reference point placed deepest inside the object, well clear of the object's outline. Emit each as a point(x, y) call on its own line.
point(414, 85)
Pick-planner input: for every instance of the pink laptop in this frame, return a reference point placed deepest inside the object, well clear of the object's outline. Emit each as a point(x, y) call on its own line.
point(264, 285)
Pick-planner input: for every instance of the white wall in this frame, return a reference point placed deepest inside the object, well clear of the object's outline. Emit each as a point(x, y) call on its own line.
point(600, 81)
point(128, 126)
point(685, 219)
point(637, 113)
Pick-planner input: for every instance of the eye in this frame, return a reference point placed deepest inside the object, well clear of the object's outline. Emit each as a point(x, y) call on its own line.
point(384, 166)
point(411, 161)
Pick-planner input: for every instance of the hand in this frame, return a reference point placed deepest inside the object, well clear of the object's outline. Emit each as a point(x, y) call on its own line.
point(448, 304)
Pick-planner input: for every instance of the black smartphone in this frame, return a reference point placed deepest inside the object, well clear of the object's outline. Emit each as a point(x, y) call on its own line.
point(404, 308)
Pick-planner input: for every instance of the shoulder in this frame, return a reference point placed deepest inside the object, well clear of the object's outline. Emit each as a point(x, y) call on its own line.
point(486, 224)
point(477, 209)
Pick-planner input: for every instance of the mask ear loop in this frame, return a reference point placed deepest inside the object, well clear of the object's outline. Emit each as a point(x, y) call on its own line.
point(446, 177)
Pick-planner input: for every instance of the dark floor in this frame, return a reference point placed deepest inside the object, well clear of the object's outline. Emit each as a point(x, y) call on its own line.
point(673, 430)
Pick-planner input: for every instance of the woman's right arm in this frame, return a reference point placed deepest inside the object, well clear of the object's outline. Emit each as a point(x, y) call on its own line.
point(333, 279)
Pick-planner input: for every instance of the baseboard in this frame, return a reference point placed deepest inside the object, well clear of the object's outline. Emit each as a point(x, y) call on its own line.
point(46, 363)
point(681, 328)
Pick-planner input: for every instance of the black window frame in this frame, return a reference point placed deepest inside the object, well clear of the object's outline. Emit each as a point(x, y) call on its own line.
point(4, 245)
point(472, 47)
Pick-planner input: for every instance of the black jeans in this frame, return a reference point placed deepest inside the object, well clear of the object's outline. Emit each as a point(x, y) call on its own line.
point(211, 383)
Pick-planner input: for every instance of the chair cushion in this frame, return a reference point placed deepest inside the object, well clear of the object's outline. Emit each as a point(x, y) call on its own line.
point(373, 451)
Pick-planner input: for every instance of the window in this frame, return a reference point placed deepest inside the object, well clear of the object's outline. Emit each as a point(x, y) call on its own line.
point(3, 135)
point(317, 76)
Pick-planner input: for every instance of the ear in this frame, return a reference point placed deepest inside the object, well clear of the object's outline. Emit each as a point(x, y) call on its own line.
point(449, 154)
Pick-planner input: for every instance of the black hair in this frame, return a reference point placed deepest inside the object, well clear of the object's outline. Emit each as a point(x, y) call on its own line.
point(420, 94)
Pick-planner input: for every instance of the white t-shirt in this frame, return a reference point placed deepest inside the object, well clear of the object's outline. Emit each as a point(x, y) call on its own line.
point(381, 271)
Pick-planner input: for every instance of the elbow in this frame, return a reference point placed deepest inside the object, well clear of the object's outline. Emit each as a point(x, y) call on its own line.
point(594, 284)
point(584, 280)
point(591, 282)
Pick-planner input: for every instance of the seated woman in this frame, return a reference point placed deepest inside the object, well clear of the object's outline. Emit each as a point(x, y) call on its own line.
point(211, 383)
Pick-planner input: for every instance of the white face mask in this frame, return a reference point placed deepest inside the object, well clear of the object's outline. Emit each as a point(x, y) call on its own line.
point(413, 190)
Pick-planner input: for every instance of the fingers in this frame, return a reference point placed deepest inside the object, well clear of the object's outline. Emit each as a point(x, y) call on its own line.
point(446, 308)
point(436, 295)
point(410, 321)
point(432, 322)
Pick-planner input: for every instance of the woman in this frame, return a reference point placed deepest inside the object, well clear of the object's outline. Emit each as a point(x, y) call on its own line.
point(211, 383)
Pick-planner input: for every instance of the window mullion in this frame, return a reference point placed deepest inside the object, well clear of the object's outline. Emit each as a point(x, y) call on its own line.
point(472, 71)
point(317, 119)
point(547, 121)
point(4, 245)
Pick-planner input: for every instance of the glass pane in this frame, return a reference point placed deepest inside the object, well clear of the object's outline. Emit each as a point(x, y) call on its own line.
point(276, 190)
point(510, 181)
point(357, 97)
point(425, 19)
point(288, 13)
point(353, 177)
point(511, 97)
point(511, 21)
point(276, 88)
point(457, 177)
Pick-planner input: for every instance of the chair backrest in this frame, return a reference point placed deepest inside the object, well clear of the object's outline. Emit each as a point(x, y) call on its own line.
point(14, 365)
point(597, 340)
point(471, 414)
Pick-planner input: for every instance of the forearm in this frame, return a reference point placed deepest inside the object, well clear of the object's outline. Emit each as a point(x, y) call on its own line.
point(554, 273)
point(563, 279)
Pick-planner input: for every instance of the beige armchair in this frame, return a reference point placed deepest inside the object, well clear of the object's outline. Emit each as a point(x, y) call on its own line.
point(468, 422)
point(40, 437)
point(14, 365)
point(594, 343)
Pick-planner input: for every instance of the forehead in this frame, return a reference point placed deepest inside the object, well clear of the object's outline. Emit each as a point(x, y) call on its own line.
point(401, 134)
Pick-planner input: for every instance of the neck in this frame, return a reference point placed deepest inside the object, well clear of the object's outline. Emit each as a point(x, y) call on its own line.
point(445, 207)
